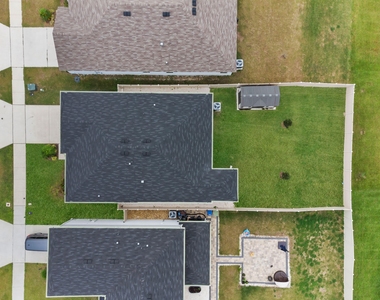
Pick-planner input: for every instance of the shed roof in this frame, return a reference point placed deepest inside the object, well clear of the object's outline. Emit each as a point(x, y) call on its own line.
point(123, 147)
point(259, 96)
point(96, 36)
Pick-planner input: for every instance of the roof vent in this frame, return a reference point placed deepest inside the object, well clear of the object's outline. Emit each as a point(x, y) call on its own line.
point(145, 153)
point(127, 13)
point(194, 11)
point(124, 153)
point(194, 2)
point(147, 141)
point(166, 14)
point(113, 261)
point(149, 297)
point(124, 140)
point(87, 261)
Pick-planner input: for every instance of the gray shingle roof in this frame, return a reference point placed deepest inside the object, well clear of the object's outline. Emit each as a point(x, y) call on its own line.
point(94, 35)
point(124, 147)
point(108, 261)
point(197, 270)
point(259, 96)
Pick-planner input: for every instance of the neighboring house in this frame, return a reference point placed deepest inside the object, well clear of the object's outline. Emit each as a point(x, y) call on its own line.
point(257, 97)
point(170, 37)
point(136, 147)
point(137, 259)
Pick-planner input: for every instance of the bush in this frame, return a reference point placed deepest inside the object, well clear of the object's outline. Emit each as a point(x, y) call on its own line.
point(45, 14)
point(287, 123)
point(43, 273)
point(49, 151)
point(285, 175)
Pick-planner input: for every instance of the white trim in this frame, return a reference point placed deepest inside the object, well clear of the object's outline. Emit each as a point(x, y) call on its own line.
point(215, 73)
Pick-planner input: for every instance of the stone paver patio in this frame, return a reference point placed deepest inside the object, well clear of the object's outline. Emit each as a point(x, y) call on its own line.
point(259, 258)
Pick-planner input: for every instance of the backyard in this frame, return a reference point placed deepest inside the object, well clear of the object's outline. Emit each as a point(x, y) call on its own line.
point(44, 192)
point(311, 150)
point(35, 284)
point(316, 253)
point(6, 184)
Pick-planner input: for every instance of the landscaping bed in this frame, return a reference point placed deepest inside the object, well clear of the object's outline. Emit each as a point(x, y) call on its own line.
point(31, 12)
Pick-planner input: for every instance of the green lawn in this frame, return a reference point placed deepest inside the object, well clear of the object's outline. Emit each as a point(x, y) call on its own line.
point(6, 183)
point(31, 12)
point(326, 43)
point(6, 85)
point(35, 284)
point(311, 150)
point(316, 253)
point(43, 181)
point(4, 12)
point(52, 81)
point(6, 282)
point(366, 162)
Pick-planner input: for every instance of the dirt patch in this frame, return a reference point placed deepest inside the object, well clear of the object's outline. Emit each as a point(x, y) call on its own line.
point(148, 214)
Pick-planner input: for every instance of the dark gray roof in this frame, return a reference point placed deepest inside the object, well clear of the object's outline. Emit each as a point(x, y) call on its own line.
point(259, 96)
point(197, 270)
point(95, 36)
point(88, 261)
point(166, 139)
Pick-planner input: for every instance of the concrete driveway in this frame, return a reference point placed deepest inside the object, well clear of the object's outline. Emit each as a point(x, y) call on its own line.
point(6, 242)
point(39, 49)
point(6, 121)
point(5, 49)
point(36, 256)
point(42, 124)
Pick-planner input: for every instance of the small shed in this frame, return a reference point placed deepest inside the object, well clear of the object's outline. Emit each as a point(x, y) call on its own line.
point(258, 97)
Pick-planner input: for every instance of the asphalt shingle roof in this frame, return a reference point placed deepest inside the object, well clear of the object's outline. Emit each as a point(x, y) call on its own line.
point(123, 147)
point(259, 96)
point(116, 262)
point(197, 270)
point(94, 35)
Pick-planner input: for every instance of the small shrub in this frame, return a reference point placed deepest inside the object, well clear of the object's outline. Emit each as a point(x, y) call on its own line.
point(45, 14)
point(287, 123)
point(49, 151)
point(43, 273)
point(285, 175)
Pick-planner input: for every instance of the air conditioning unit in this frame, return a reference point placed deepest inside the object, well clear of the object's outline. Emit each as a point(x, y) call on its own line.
point(217, 106)
point(172, 214)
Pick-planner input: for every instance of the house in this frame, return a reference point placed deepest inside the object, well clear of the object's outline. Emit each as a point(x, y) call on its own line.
point(136, 259)
point(140, 147)
point(171, 37)
point(257, 97)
